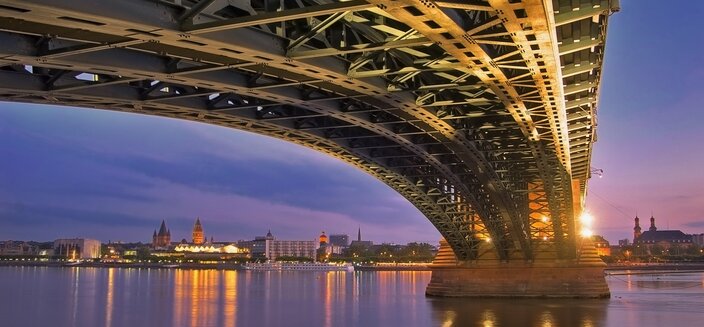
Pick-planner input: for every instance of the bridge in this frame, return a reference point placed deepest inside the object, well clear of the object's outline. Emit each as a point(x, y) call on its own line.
point(482, 113)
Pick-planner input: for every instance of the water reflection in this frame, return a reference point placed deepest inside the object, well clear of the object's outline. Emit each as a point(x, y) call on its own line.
point(519, 312)
point(109, 297)
point(229, 279)
point(90, 297)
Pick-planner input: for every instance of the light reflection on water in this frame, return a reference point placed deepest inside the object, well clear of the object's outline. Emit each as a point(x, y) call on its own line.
point(162, 297)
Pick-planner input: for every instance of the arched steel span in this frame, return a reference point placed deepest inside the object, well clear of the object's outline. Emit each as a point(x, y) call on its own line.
point(464, 107)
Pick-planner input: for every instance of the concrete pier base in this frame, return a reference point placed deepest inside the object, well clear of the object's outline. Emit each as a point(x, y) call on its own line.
point(544, 277)
point(519, 281)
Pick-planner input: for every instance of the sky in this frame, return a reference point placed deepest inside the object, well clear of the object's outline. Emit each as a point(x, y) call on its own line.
point(69, 172)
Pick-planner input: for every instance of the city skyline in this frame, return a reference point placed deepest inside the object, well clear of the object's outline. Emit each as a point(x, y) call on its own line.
point(96, 172)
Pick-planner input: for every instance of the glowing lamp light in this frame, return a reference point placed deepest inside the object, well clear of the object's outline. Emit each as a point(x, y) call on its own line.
point(545, 219)
point(488, 240)
point(586, 232)
point(586, 219)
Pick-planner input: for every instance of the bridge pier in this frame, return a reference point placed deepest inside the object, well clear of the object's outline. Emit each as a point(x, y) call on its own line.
point(544, 278)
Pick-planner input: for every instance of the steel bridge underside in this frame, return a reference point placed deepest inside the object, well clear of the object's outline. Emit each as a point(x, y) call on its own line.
point(481, 113)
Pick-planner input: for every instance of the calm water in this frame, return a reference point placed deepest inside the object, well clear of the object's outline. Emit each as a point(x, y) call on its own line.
point(45, 296)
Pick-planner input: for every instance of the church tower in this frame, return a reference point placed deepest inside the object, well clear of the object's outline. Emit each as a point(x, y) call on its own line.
point(652, 224)
point(636, 230)
point(163, 238)
point(198, 237)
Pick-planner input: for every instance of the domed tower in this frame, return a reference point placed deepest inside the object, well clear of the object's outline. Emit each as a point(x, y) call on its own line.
point(636, 230)
point(652, 224)
point(198, 237)
point(323, 239)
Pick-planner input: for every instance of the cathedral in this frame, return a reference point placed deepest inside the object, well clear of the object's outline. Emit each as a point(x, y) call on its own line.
point(163, 238)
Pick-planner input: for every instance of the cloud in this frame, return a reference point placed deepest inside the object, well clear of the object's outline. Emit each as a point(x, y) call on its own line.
point(118, 178)
point(695, 224)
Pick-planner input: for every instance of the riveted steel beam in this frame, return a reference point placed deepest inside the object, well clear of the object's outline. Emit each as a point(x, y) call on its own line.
point(275, 16)
point(363, 75)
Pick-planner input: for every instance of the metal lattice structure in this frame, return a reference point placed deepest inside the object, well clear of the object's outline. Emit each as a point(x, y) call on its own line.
point(471, 110)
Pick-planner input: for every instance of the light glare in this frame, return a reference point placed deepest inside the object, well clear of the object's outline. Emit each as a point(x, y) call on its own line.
point(586, 232)
point(586, 218)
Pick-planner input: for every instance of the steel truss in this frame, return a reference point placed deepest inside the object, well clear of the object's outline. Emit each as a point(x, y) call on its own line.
point(461, 106)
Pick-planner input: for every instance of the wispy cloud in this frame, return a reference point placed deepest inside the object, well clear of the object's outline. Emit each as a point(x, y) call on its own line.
point(116, 173)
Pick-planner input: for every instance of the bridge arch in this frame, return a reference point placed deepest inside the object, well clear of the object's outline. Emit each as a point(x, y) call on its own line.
point(459, 107)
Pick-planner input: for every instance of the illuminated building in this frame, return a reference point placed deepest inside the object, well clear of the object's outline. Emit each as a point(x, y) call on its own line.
point(323, 239)
point(270, 248)
point(163, 238)
point(211, 250)
point(603, 248)
point(17, 248)
point(198, 236)
point(77, 248)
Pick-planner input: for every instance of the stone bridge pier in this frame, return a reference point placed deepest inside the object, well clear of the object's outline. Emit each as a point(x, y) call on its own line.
point(544, 277)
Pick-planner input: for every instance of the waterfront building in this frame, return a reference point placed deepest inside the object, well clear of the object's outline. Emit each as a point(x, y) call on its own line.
point(270, 248)
point(13, 248)
point(663, 238)
point(341, 240)
point(77, 248)
point(359, 243)
point(198, 235)
point(602, 245)
point(163, 238)
point(210, 250)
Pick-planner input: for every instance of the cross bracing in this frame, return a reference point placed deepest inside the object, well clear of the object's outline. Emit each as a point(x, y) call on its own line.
point(458, 105)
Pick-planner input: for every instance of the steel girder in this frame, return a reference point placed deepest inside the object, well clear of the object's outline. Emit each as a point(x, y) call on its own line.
point(459, 104)
point(580, 31)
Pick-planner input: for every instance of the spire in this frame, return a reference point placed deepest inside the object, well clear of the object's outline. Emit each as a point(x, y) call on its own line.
point(154, 235)
point(359, 234)
point(162, 229)
point(652, 224)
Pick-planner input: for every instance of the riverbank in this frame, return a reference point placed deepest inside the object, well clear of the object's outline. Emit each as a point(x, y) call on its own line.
point(189, 265)
point(222, 266)
point(610, 269)
point(653, 268)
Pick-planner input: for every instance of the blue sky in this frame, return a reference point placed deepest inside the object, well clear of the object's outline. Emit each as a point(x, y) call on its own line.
point(69, 172)
point(114, 176)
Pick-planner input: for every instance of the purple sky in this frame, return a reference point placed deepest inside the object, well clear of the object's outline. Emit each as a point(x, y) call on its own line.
point(113, 176)
point(650, 139)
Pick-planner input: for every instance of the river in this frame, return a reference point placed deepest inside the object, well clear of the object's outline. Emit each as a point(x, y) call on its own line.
point(115, 297)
